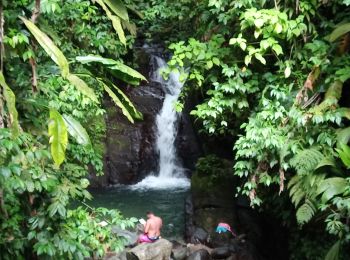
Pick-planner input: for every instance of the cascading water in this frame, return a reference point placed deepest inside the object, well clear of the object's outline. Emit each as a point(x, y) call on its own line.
point(170, 174)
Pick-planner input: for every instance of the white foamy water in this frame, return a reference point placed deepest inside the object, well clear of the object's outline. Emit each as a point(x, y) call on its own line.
point(170, 173)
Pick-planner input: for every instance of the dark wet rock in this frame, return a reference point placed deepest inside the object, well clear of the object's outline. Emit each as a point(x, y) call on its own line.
point(159, 250)
point(217, 240)
point(186, 142)
point(232, 257)
point(201, 254)
point(199, 236)
point(196, 247)
point(221, 252)
point(189, 226)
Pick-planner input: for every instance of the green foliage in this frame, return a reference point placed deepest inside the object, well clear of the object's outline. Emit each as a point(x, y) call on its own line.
point(116, 68)
point(271, 76)
point(43, 174)
point(10, 99)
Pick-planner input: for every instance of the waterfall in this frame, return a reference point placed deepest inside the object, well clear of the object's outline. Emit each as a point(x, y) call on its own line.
point(170, 173)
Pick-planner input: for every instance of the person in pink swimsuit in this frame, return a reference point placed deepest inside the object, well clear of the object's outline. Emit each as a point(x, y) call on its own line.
point(152, 229)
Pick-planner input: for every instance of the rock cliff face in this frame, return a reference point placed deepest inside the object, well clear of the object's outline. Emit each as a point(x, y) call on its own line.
point(130, 148)
point(212, 201)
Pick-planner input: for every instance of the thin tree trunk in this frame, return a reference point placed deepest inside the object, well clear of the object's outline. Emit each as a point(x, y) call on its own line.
point(32, 62)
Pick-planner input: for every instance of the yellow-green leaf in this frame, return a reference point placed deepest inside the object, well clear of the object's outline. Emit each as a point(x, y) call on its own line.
point(118, 8)
point(122, 101)
point(10, 99)
point(58, 137)
point(76, 130)
point(117, 68)
point(82, 87)
point(50, 48)
point(115, 22)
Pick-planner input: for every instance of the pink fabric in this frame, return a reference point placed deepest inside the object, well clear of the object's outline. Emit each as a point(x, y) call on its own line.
point(144, 239)
point(225, 225)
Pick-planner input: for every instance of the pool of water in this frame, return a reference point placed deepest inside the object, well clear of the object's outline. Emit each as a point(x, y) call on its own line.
point(165, 203)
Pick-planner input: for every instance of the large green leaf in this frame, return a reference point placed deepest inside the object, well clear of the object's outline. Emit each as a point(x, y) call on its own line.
point(58, 137)
point(58, 57)
point(126, 101)
point(343, 136)
point(333, 253)
point(82, 87)
point(122, 102)
point(50, 48)
point(117, 68)
point(115, 21)
point(118, 8)
point(338, 32)
point(344, 154)
point(10, 99)
point(331, 187)
point(76, 130)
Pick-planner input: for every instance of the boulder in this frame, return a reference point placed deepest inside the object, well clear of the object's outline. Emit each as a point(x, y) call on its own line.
point(218, 240)
point(196, 247)
point(201, 254)
point(131, 237)
point(199, 236)
point(179, 253)
point(116, 256)
point(159, 250)
point(221, 253)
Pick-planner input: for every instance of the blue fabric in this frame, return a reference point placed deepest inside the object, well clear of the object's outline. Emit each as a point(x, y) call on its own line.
point(221, 230)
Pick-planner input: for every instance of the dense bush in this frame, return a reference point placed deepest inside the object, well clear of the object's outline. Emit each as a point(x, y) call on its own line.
point(273, 76)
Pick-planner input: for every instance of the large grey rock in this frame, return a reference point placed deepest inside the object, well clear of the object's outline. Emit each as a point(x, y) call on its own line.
point(201, 254)
point(159, 250)
point(116, 256)
point(179, 251)
point(196, 247)
point(131, 237)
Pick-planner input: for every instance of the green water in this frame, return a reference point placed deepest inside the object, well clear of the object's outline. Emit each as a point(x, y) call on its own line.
point(168, 204)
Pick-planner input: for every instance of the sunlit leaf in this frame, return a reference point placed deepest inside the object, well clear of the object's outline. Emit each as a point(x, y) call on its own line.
point(122, 101)
point(82, 87)
point(50, 48)
point(117, 68)
point(118, 8)
point(115, 21)
point(76, 130)
point(58, 137)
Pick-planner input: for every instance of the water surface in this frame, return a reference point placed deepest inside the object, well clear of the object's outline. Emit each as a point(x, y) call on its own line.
point(166, 203)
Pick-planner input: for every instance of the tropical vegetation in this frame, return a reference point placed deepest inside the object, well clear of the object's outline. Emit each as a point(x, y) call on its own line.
point(272, 77)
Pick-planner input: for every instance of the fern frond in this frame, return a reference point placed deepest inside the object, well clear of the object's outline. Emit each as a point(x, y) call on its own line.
point(305, 212)
point(305, 161)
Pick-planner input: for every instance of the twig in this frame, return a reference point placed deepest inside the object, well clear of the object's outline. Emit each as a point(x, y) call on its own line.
point(32, 62)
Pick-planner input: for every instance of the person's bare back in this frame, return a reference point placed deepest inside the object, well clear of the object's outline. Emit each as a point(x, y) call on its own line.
point(153, 226)
point(152, 229)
